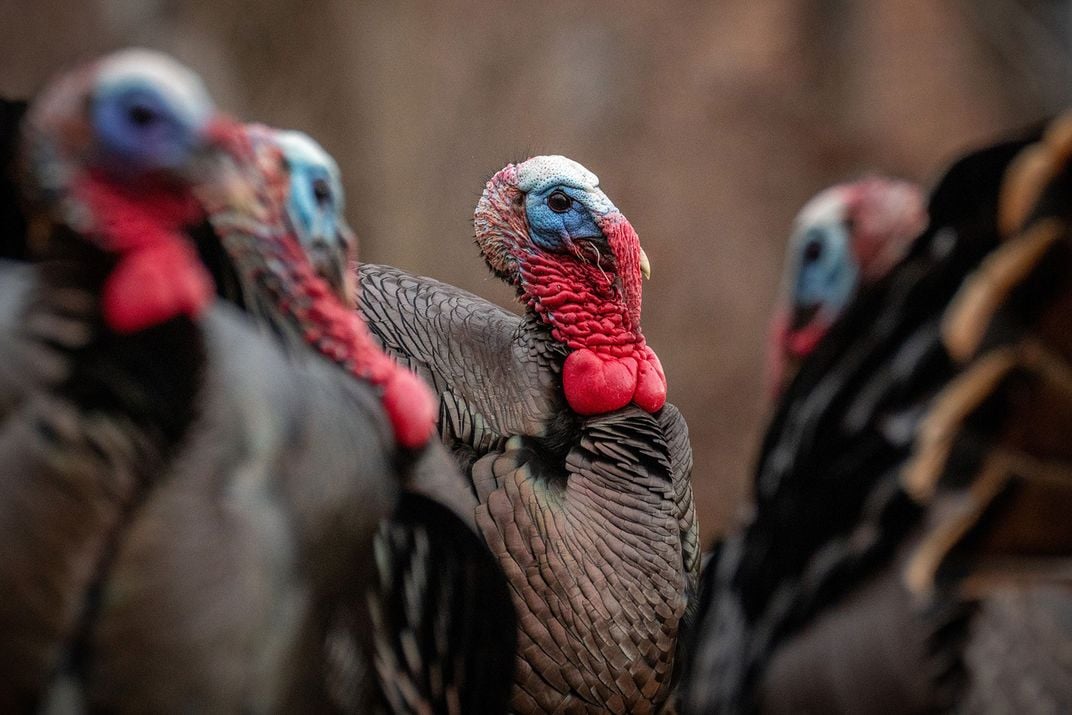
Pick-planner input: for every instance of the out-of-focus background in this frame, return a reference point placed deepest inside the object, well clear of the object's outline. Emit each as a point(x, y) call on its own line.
point(709, 124)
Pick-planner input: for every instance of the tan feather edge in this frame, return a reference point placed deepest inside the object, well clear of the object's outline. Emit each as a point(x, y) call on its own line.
point(934, 440)
point(1030, 172)
point(922, 473)
point(999, 468)
point(967, 319)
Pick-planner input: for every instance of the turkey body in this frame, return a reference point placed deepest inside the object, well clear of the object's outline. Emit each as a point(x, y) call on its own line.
point(819, 604)
point(169, 551)
point(590, 517)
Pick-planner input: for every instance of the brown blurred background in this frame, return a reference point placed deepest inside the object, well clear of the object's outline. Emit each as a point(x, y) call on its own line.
point(709, 124)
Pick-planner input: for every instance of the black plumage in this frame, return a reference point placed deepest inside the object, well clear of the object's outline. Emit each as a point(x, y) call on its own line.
point(808, 607)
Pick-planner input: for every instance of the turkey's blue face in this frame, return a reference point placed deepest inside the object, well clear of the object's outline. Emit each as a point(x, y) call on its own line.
point(315, 208)
point(557, 217)
point(147, 114)
point(823, 271)
point(315, 201)
point(562, 203)
point(548, 208)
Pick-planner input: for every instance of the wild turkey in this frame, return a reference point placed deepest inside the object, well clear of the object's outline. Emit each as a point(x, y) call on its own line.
point(846, 237)
point(558, 417)
point(904, 555)
point(439, 603)
point(189, 512)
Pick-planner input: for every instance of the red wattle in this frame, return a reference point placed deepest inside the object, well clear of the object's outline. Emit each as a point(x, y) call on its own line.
point(650, 393)
point(776, 356)
point(594, 385)
point(153, 284)
point(411, 408)
point(800, 343)
point(625, 245)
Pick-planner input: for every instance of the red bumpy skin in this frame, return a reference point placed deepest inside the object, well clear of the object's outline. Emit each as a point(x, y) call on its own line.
point(606, 371)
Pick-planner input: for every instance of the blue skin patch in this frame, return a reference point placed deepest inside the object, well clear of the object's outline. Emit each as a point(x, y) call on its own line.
point(311, 203)
point(826, 272)
point(315, 200)
point(553, 230)
point(139, 130)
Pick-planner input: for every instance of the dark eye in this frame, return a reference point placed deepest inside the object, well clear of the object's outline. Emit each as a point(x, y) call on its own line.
point(321, 191)
point(559, 202)
point(141, 115)
point(813, 250)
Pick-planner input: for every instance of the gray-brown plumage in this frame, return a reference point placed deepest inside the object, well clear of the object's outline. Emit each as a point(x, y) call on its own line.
point(906, 553)
point(441, 623)
point(591, 516)
point(191, 512)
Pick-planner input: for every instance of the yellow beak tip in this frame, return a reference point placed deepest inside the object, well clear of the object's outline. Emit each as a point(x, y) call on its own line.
point(645, 265)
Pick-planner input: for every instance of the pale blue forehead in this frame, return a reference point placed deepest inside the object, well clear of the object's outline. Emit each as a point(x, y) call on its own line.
point(178, 85)
point(543, 172)
point(298, 146)
point(303, 151)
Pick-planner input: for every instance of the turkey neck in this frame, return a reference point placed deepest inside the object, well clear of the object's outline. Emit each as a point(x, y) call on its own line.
point(150, 377)
point(281, 286)
point(596, 318)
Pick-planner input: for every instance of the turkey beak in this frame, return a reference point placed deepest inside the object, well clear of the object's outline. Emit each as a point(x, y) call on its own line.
point(645, 264)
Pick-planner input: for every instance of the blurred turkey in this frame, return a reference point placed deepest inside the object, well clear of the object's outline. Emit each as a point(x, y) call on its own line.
point(443, 625)
point(910, 546)
point(189, 512)
point(844, 239)
point(559, 419)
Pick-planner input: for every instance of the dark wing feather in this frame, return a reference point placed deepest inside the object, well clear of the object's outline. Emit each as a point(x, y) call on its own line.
point(446, 629)
point(679, 449)
point(12, 222)
point(493, 378)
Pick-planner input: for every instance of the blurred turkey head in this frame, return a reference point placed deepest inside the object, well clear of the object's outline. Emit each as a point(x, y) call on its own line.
point(315, 206)
point(545, 227)
point(113, 151)
point(267, 224)
point(847, 237)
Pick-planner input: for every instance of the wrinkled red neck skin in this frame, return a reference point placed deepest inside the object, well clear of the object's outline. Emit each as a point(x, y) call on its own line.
point(597, 315)
point(281, 267)
point(158, 275)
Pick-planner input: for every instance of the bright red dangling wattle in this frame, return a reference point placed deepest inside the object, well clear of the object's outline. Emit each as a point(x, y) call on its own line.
point(158, 275)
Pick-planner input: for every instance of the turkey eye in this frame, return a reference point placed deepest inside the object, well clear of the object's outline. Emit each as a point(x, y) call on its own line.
point(559, 202)
point(140, 115)
point(321, 191)
point(813, 250)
